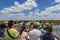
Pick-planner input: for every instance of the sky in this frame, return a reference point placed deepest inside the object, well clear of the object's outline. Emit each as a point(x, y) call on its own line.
point(29, 9)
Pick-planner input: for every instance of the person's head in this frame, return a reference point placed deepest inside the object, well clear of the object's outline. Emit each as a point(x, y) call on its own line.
point(22, 29)
point(40, 22)
point(35, 26)
point(47, 24)
point(24, 23)
point(15, 22)
point(3, 26)
point(6, 23)
point(48, 28)
point(31, 23)
point(15, 26)
point(10, 23)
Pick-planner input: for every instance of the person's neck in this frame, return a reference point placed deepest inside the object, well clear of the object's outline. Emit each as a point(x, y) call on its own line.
point(49, 32)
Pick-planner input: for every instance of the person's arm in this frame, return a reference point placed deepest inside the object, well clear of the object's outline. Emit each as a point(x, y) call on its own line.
point(55, 39)
point(28, 38)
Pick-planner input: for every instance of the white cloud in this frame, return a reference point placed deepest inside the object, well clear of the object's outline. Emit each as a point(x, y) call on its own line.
point(8, 13)
point(13, 16)
point(28, 5)
point(50, 13)
point(57, 1)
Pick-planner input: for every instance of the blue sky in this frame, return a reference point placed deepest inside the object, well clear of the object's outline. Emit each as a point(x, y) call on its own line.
point(42, 4)
point(29, 9)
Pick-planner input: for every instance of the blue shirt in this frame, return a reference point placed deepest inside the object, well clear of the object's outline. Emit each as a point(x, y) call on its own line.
point(48, 36)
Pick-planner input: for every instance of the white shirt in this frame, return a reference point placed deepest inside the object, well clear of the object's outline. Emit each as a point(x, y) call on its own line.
point(24, 36)
point(34, 34)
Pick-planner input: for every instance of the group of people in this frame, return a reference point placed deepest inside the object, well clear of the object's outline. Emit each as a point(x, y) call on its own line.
point(27, 31)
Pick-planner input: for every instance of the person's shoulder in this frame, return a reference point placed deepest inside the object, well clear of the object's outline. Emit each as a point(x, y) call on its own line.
point(45, 35)
point(38, 30)
point(31, 31)
point(24, 32)
point(12, 30)
point(49, 35)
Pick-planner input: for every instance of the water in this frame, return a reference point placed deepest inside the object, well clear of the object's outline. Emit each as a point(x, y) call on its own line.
point(57, 30)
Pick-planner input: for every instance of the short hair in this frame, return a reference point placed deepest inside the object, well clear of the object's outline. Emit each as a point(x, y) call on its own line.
point(10, 23)
point(40, 21)
point(35, 26)
point(49, 29)
point(2, 26)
